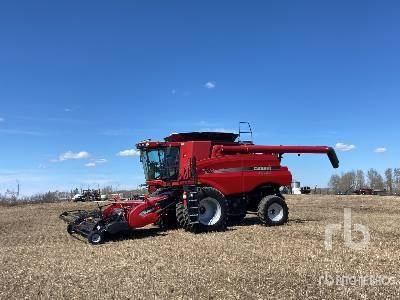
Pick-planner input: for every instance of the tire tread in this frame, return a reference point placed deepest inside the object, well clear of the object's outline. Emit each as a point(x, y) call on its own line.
point(263, 210)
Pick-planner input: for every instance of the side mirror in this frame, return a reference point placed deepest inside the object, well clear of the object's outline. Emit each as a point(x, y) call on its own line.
point(141, 156)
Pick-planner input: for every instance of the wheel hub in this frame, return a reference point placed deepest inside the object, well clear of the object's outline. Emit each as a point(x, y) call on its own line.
point(210, 211)
point(96, 238)
point(275, 212)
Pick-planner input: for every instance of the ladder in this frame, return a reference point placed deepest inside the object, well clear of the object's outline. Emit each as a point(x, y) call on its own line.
point(249, 132)
point(192, 203)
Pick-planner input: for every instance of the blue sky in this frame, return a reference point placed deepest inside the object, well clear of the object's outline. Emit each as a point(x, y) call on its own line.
point(81, 81)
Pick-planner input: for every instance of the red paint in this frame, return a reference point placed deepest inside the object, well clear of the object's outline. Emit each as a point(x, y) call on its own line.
point(214, 158)
point(137, 213)
point(230, 167)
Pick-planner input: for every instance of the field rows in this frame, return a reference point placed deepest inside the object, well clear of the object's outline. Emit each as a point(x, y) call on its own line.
point(40, 260)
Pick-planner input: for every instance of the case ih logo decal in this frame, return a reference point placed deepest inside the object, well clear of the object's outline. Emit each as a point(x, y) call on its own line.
point(262, 168)
point(246, 169)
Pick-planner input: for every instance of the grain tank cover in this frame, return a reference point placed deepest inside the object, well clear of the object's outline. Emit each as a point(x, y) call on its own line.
point(202, 136)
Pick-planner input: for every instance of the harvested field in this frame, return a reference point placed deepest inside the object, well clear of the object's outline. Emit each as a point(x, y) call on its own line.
point(40, 260)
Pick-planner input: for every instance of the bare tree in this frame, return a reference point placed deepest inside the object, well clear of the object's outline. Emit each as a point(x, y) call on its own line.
point(107, 190)
point(347, 181)
point(360, 180)
point(343, 183)
point(375, 180)
point(396, 180)
point(334, 183)
point(389, 180)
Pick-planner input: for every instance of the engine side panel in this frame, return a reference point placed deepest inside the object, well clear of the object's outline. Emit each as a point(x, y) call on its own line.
point(242, 173)
point(223, 173)
point(260, 169)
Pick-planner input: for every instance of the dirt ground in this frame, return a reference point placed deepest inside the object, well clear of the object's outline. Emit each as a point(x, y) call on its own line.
point(39, 259)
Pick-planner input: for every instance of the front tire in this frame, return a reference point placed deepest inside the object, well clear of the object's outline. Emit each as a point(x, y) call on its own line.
point(273, 211)
point(213, 211)
point(182, 217)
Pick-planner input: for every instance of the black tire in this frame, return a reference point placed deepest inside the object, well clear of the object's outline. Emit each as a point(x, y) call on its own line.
point(236, 220)
point(71, 229)
point(273, 211)
point(205, 195)
point(182, 217)
point(96, 237)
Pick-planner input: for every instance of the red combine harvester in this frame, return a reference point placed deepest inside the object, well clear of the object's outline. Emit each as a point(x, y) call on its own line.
point(201, 181)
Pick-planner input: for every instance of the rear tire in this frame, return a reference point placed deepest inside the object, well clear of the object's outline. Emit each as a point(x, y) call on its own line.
point(273, 211)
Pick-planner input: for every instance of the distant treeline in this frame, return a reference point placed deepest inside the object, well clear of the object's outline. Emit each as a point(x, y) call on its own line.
point(356, 180)
point(57, 196)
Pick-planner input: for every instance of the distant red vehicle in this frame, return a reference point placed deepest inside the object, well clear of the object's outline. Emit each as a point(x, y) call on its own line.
point(364, 192)
point(203, 181)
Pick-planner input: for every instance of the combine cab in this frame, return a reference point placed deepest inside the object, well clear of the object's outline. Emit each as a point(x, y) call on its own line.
point(203, 181)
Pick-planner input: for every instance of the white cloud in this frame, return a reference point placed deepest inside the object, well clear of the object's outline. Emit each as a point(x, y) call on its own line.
point(344, 147)
point(96, 162)
point(380, 150)
point(128, 152)
point(73, 155)
point(210, 85)
point(100, 161)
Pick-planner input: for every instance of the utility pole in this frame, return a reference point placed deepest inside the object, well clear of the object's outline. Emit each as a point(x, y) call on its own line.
point(18, 188)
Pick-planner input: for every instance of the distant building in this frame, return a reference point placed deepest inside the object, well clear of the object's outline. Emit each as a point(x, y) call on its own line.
point(295, 188)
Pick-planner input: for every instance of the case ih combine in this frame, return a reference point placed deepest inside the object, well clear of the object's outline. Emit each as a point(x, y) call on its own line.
point(201, 181)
